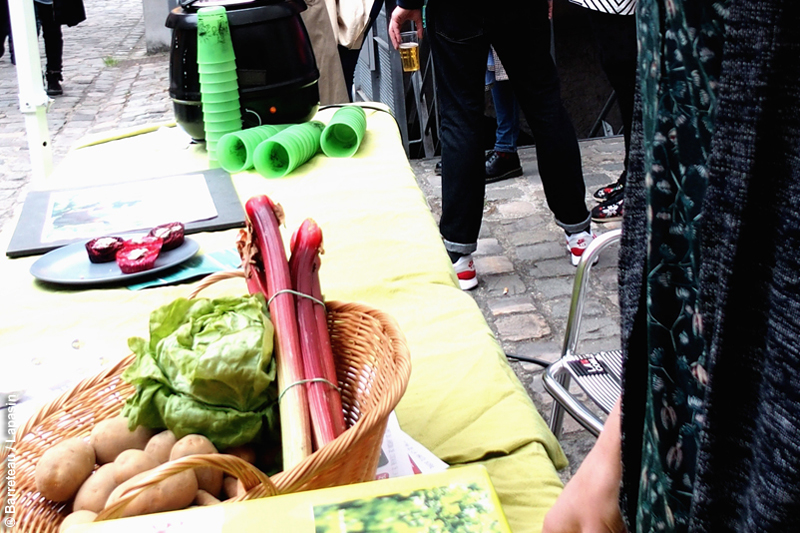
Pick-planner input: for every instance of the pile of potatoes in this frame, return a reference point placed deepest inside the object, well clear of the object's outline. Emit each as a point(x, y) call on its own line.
point(66, 472)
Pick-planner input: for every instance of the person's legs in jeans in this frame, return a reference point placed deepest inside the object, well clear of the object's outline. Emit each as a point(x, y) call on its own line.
point(459, 50)
point(503, 162)
point(53, 46)
point(521, 37)
point(615, 39)
point(505, 106)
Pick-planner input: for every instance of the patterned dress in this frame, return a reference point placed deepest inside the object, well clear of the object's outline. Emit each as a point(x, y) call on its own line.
point(680, 43)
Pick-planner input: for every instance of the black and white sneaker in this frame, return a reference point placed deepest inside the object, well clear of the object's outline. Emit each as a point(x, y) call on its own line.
point(610, 210)
point(604, 193)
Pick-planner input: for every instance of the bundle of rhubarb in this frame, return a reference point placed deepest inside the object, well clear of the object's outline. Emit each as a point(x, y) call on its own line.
point(310, 404)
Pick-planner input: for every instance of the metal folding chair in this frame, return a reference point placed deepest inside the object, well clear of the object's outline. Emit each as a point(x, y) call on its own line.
point(598, 374)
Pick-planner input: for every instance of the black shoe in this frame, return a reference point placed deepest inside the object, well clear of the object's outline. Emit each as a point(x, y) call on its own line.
point(604, 193)
point(438, 169)
point(53, 83)
point(502, 165)
point(610, 210)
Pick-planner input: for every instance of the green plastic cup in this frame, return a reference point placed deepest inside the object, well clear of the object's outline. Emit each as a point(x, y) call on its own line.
point(226, 96)
point(222, 67)
point(221, 116)
point(214, 43)
point(218, 77)
point(219, 107)
point(226, 126)
point(288, 149)
point(235, 150)
point(343, 135)
point(219, 87)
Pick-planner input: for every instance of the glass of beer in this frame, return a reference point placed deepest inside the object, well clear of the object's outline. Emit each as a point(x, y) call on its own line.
point(409, 51)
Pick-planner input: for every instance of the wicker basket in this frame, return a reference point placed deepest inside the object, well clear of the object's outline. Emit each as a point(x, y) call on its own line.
point(373, 367)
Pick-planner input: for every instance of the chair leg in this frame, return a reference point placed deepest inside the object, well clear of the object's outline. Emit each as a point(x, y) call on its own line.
point(557, 413)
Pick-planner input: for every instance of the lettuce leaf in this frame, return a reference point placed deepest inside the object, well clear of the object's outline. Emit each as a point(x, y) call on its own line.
point(207, 368)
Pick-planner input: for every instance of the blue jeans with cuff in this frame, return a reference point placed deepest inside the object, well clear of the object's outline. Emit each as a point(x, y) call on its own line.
point(519, 30)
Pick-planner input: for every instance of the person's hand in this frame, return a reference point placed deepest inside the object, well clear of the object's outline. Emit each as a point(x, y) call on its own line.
point(590, 501)
point(400, 16)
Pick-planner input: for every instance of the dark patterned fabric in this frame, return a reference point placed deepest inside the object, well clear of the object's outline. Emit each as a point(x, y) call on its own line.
point(709, 286)
point(680, 58)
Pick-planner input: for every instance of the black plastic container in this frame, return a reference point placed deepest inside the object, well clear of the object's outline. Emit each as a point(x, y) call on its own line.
point(275, 64)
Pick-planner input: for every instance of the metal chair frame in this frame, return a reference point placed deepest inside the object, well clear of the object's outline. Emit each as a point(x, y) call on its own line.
point(598, 374)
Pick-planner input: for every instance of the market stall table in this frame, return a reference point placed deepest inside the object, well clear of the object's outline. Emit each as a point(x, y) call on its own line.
point(382, 248)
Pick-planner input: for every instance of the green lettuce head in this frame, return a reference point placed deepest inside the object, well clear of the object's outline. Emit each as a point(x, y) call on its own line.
point(207, 369)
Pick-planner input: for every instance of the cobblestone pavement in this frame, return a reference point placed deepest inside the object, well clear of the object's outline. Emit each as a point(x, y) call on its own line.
point(109, 82)
point(525, 275)
point(526, 278)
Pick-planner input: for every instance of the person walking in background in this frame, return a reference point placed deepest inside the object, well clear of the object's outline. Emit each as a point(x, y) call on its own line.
point(613, 25)
point(5, 31)
point(705, 438)
point(51, 15)
point(502, 162)
point(460, 37)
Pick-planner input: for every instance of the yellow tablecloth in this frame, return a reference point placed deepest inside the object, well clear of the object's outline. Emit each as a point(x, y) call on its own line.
point(382, 247)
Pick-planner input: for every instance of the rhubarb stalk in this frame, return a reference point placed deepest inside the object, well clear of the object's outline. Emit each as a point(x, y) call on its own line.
point(326, 353)
point(322, 387)
point(263, 218)
point(251, 259)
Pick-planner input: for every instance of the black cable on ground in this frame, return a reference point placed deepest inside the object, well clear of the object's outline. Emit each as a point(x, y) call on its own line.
point(527, 359)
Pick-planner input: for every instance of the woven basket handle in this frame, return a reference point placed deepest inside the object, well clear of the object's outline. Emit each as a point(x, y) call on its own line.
point(250, 476)
point(213, 278)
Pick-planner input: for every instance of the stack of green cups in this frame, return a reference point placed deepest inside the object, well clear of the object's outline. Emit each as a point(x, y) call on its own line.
point(219, 85)
point(235, 150)
point(345, 131)
point(288, 149)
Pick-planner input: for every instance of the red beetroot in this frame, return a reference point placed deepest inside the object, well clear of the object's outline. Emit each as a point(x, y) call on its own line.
point(103, 249)
point(137, 255)
point(172, 234)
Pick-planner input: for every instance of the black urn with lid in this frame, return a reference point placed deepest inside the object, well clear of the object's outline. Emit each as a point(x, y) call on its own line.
point(275, 65)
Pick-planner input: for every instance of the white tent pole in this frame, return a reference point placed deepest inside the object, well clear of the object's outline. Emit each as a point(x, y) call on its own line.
point(33, 100)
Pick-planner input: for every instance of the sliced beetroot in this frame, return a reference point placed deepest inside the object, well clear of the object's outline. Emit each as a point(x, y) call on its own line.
point(139, 254)
point(172, 234)
point(103, 249)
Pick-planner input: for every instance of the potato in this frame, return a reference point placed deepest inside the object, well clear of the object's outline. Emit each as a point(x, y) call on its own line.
point(112, 437)
point(208, 479)
point(160, 445)
point(233, 487)
point(132, 462)
point(63, 468)
point(75, 518)
point(94, 492)
point(204, 498)
point(175, 492)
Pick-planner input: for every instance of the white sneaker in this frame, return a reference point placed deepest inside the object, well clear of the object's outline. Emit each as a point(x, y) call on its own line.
point(577, 243)
point(465, 270)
